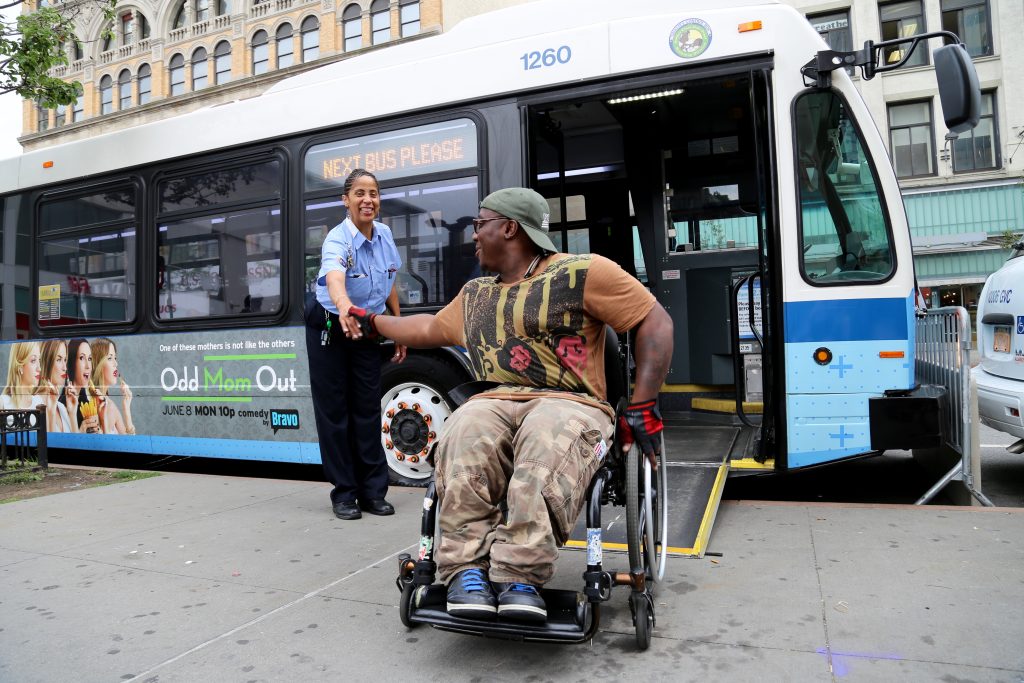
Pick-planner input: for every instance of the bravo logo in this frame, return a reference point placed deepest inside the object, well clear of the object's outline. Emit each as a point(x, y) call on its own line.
point(266, 380)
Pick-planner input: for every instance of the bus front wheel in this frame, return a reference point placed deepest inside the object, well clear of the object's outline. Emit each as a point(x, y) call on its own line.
point(414, 406)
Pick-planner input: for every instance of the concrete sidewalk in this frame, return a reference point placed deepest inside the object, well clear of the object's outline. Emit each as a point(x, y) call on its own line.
point(206, 578)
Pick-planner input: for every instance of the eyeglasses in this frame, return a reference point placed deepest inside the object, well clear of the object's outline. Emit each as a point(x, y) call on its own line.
point(479, 222)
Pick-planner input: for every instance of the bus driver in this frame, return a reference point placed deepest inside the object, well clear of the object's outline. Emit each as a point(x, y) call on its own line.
point(537, 329)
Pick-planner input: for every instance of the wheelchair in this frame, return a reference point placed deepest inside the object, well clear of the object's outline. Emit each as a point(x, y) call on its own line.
point(623, 479)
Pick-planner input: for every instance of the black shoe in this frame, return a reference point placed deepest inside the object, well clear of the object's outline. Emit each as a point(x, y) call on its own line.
point(521, 602)
point(378, 507)
point(347, 509)
point(470, 595)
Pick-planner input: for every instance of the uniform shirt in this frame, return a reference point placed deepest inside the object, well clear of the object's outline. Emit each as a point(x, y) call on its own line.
point(369, 266)
point(546, 333)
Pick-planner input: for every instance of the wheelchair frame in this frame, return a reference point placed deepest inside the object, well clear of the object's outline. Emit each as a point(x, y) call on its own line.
point(625, 478)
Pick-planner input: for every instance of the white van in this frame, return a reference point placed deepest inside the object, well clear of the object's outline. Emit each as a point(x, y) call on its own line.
point(1000, 374)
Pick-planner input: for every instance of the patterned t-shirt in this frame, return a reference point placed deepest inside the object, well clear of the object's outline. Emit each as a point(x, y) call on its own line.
point(547, 332)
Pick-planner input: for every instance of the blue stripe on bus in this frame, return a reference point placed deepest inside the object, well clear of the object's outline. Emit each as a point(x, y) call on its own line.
point(846, 320)
point(233, 449)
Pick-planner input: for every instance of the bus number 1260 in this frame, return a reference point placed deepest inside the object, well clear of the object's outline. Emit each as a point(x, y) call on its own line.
point(549, 57)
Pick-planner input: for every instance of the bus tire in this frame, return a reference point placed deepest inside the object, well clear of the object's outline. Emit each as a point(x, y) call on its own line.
point(414, 406)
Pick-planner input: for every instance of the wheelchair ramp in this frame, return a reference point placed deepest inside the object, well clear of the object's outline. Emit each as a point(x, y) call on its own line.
point(697, 461)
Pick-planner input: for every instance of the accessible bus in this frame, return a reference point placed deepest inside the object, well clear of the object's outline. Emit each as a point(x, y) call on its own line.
point(716, 150)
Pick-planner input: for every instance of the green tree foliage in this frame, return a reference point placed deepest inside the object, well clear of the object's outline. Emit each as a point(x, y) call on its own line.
point(32, 44)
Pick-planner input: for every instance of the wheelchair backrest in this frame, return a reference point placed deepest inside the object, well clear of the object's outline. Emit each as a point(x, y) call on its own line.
point(615, 365)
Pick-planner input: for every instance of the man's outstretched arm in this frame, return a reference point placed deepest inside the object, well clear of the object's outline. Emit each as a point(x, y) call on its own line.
point(418, 331)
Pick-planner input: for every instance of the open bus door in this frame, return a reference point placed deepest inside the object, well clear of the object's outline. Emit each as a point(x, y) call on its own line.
point(670, 177)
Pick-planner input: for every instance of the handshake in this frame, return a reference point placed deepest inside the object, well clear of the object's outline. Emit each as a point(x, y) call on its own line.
point(366, 322)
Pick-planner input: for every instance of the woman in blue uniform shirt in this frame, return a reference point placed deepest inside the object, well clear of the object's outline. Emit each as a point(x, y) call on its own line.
point(358, 267)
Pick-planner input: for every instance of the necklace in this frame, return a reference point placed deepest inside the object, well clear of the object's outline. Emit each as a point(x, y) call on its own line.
point(529, 269)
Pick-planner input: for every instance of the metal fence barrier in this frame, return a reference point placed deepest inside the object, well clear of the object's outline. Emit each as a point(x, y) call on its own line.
point(943, 358)
point(22, 440)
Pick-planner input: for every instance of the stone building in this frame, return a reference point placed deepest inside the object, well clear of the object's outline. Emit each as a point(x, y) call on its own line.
point(159, 59)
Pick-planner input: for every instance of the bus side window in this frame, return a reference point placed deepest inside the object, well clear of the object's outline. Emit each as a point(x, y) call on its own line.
point(845, 236)
point(87, 255)
point(219, 236)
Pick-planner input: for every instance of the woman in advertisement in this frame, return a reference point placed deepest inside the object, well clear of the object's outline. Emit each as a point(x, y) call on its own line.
point(104, 360)
point(77, 391)
point(22, 377)
point(54, 357)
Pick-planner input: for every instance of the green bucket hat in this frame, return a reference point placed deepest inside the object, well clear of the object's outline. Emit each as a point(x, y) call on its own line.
point(526, 207)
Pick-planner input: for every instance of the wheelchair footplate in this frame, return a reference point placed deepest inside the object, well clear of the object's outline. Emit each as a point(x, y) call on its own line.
point(569, 617)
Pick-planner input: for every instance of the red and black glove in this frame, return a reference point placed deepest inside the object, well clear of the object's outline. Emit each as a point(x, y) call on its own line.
point(366, 321)
point(641, 422)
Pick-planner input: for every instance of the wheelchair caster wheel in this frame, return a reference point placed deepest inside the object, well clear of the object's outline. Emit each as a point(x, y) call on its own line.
point(641, 605)
point(405, 605)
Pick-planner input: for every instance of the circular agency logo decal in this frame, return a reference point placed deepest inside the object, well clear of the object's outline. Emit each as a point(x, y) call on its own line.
point(690, 38)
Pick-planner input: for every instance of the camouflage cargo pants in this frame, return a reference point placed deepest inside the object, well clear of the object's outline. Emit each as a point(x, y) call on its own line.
point(539, 456)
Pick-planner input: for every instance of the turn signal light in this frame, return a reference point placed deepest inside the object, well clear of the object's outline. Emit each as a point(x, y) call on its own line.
point(750, 26)
point(47, 164)
point(822, 356)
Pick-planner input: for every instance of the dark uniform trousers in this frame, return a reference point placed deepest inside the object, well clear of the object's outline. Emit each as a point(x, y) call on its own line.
point(344, 379)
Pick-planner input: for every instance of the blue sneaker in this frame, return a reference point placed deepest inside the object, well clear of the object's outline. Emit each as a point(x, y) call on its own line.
point(521, 602)
point(470, 595)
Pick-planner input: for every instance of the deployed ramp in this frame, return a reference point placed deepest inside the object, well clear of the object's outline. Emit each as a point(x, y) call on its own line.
point(698, 458)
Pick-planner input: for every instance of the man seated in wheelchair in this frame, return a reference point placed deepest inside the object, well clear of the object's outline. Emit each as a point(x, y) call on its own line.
point(536, 328)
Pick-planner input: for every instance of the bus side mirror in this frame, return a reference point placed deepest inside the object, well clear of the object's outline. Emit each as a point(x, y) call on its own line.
point(959, 92)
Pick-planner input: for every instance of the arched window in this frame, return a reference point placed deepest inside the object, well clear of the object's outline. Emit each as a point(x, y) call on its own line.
point(260, 53)
point(145, 83)
point(60, 115)
point(352, 25)
point(43, 116)
point(78, 108)
point(199, 69)
point(177, 74)
point(223, 7)
point(180, 17)
point(202, 10)
point(142, 27)
point(76, 49)
point(108, 41)
point(409, 16)
point(124, 90)
point(106, 95)
point(310, 39)
point(285, 46)
point(380, 22)
point(222, 62)
point(127, 29)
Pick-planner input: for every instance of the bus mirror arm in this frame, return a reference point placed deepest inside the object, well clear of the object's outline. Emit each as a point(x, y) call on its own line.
point(817, 72)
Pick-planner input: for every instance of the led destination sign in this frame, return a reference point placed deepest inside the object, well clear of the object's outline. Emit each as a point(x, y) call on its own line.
point(432, 148)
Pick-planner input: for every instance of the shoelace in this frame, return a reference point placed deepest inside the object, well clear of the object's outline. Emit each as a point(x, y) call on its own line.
point(522, 588)
point(473, 580)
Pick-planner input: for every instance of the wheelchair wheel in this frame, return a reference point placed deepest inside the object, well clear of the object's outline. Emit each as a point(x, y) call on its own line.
point(405, 605)
point(646, 514)
point(636, 513)
point(642, 608)
point(656, 515)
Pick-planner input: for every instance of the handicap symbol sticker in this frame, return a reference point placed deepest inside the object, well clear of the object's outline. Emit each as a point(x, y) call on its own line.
point(1020, 324)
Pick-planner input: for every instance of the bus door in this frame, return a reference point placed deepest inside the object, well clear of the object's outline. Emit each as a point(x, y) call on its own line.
point(849, 305)
point(669, 181)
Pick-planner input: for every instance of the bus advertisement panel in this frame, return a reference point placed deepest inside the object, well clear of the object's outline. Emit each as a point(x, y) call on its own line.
point(231, 393)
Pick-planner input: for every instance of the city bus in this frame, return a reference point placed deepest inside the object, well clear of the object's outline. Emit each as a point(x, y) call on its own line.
point(717, 151)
